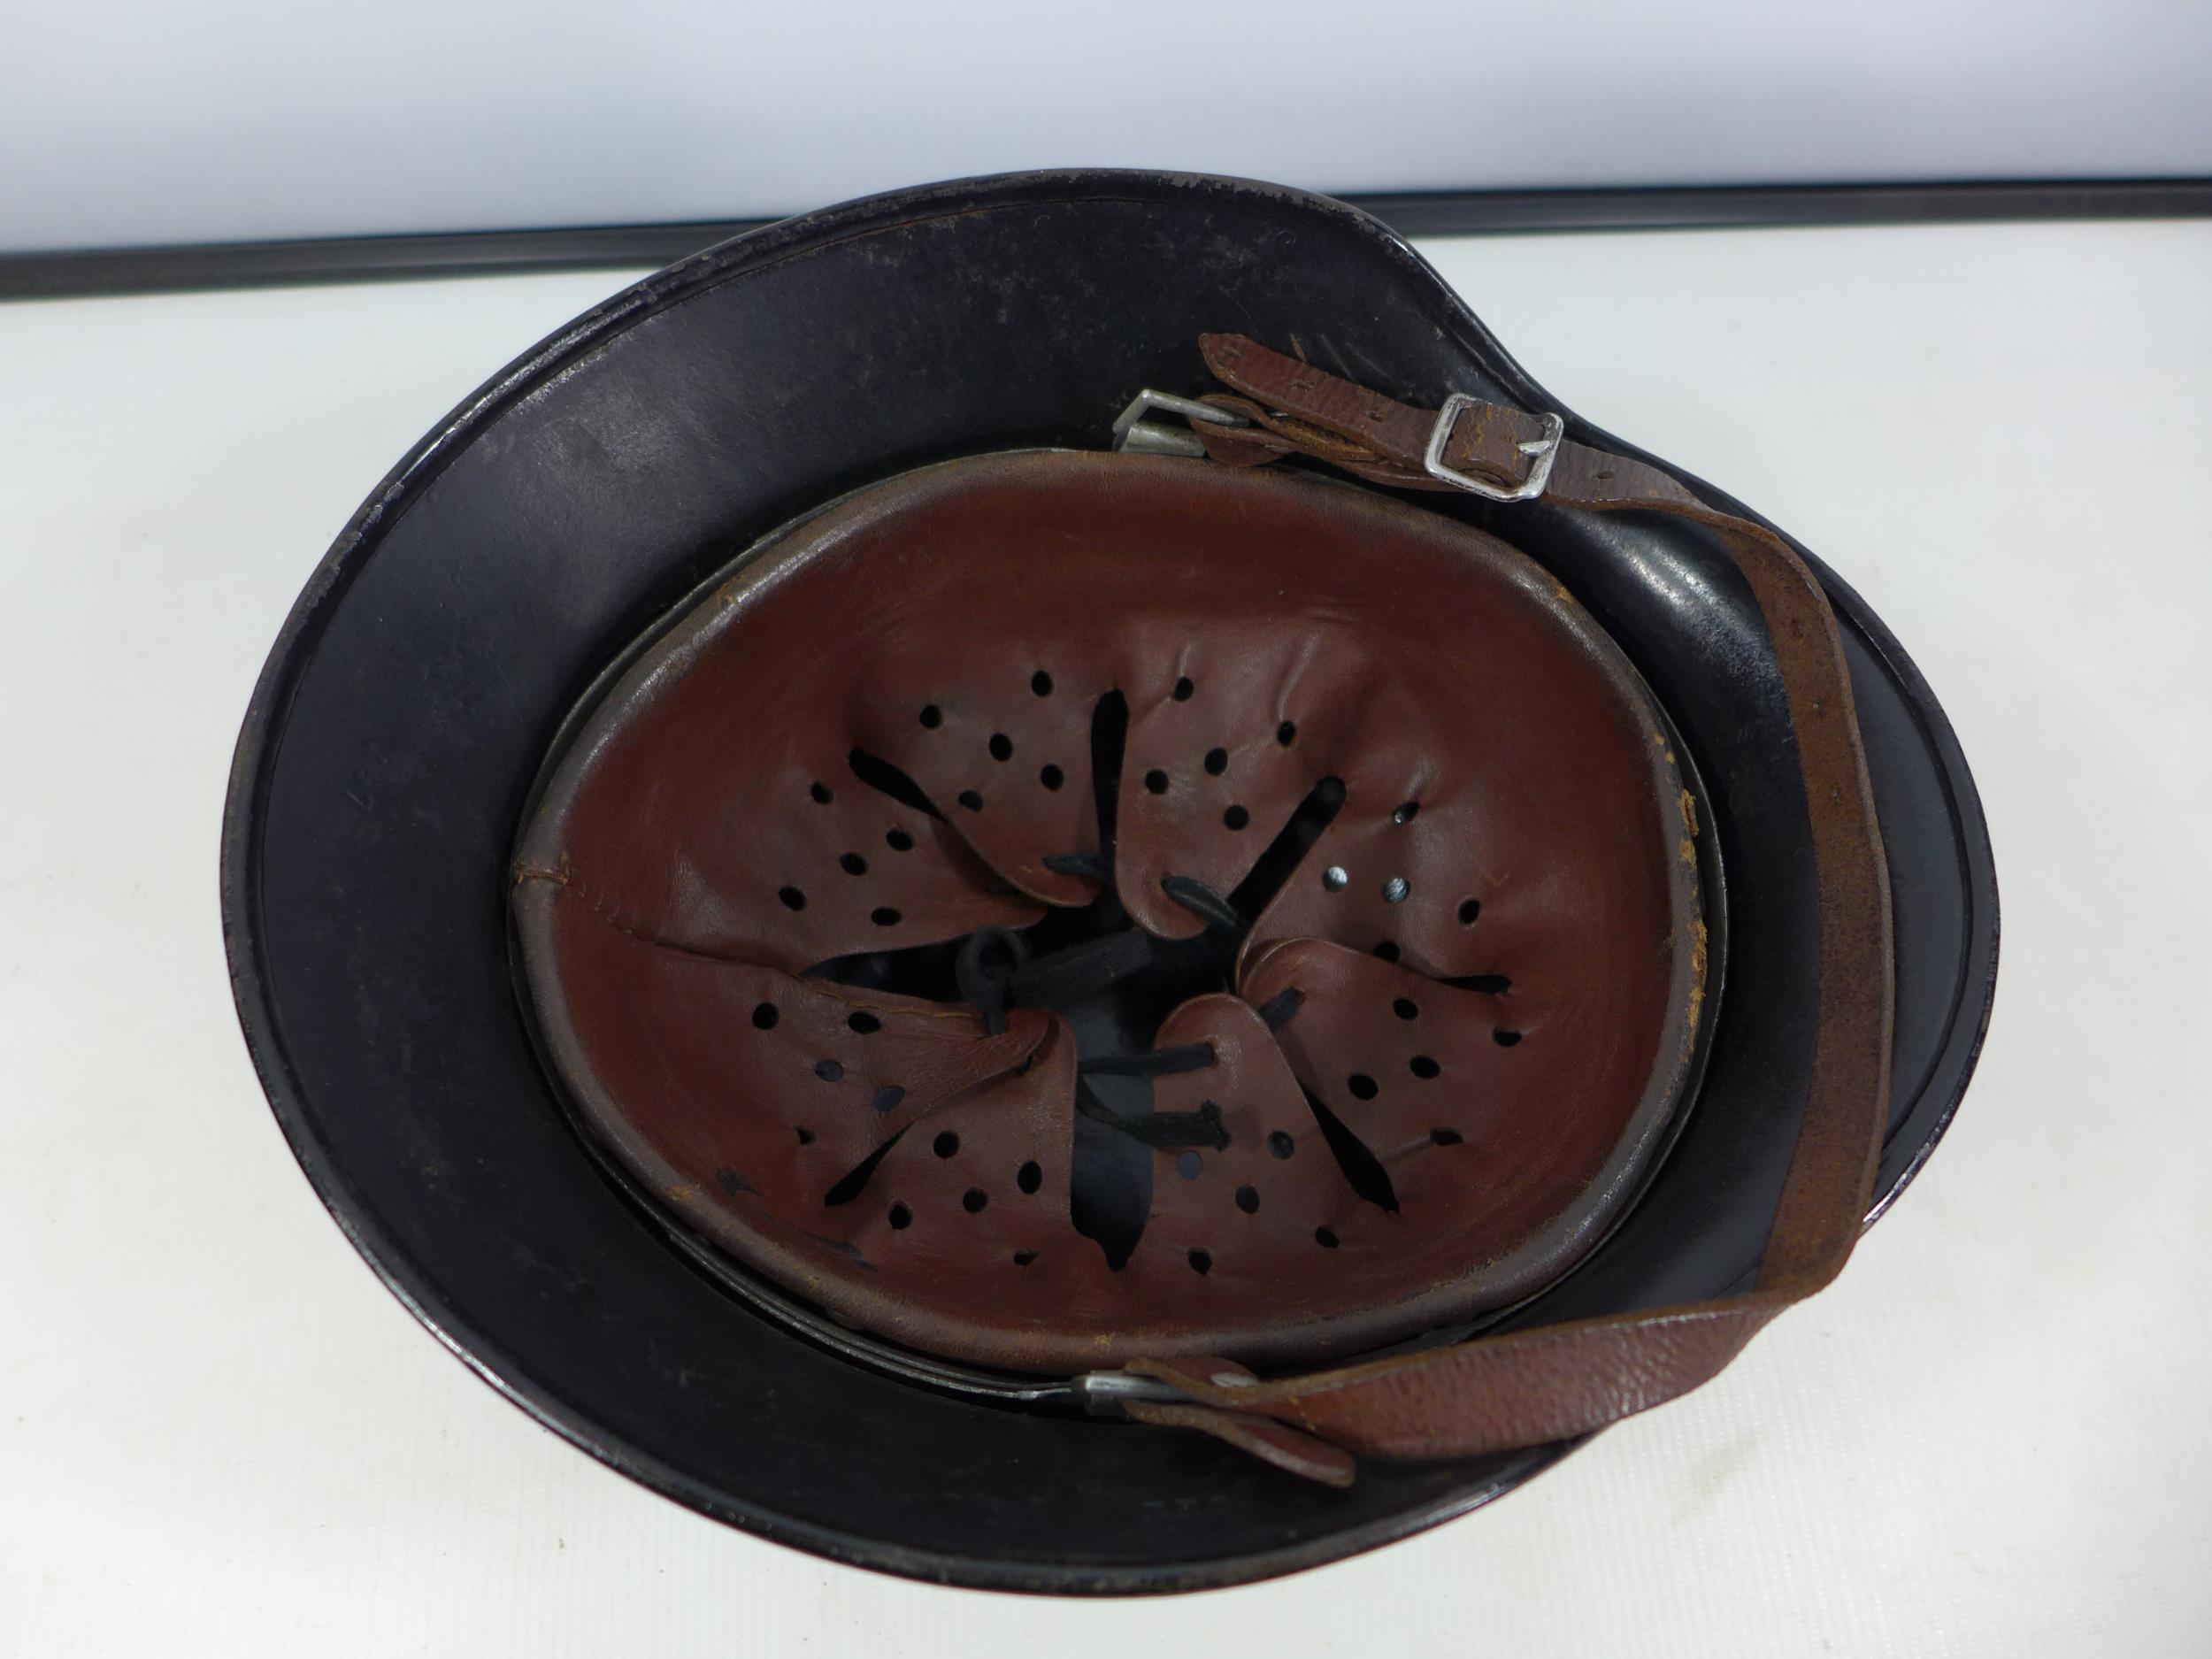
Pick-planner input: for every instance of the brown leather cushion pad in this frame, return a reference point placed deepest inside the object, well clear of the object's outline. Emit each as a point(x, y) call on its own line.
point(1482, 977)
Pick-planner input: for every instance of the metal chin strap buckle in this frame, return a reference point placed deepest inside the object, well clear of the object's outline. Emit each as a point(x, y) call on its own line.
point(1544, 451)
point(1139, 436)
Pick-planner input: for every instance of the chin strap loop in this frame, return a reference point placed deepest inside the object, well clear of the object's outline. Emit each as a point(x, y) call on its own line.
point(1556, 1382)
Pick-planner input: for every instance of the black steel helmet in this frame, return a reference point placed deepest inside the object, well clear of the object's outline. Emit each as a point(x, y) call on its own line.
point(988, 909)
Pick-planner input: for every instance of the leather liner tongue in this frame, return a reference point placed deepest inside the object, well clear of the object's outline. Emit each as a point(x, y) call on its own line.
point(1352, 795)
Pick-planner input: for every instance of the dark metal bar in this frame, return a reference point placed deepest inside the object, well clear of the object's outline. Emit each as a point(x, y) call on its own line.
point(114, 271)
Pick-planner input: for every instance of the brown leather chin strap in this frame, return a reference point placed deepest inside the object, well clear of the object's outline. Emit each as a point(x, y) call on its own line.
point(1530, 1387)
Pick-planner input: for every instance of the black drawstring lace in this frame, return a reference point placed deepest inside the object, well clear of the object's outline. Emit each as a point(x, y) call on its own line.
point(1069, 976)
point(1186, 1057)
point(1200, 1128)
point(985, 970)
point(995, 974)
point(1204, 903)
point(1090, 864)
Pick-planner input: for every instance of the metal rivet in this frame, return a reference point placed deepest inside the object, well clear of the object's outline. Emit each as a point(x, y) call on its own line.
point(1394, 889)
point(1336, 878)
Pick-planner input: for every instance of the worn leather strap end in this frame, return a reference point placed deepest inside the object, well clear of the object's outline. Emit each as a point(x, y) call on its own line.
point(1530, 1388)
point(1271, 1442)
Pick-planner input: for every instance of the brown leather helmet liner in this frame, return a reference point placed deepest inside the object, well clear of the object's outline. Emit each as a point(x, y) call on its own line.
point(1055, 908)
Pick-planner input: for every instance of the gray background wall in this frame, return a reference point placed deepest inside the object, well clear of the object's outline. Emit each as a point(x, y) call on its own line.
point(134, 121)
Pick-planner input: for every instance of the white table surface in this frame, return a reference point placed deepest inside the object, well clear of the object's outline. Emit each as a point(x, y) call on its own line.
point(221, 1435)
